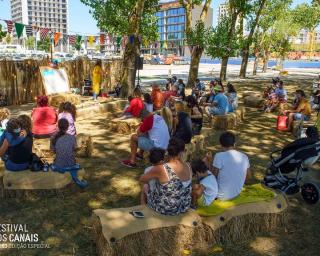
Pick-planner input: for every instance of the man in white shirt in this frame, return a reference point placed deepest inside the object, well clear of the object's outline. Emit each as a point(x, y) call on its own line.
point(231, 168)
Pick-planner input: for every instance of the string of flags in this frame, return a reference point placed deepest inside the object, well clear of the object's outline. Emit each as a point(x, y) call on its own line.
point(119, 41)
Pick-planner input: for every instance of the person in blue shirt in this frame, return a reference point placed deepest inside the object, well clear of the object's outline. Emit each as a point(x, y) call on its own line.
point(220, 105)
point(198, 88)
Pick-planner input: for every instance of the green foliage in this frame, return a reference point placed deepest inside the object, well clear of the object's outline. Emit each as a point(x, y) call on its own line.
point(218, 38)
point(44, 45)
point(198, 35)
point(307, 16)
point(2, 33)
point(113, 16)
point(30, 42)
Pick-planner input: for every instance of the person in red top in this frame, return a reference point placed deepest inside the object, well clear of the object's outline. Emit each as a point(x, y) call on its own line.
point(157, 97)
point(44, 119)
point(136, 104)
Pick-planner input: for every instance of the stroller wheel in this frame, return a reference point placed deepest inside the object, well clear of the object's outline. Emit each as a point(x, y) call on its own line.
point(310, 193)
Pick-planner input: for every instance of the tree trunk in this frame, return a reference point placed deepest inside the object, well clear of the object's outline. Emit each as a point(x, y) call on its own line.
point(132, 50)
point(246, 47)
point(265, 62)
point(255, 66)
point(194, 65)
point(223, 70)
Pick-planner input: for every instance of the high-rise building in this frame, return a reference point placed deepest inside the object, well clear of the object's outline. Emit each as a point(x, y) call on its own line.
point(223, 11)
point(172, 25)
point(52, 14)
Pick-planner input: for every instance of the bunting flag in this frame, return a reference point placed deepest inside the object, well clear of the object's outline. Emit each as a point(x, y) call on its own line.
point(44, 32)
point(29, 30)
point(72, 39)
point(124, 42)
point(131, 39)
point(165, 45)
point(102, 39)
point(9, 26)
point(56, 37)
point(78, 39)
point(119, 41)
point(91, 41)
point(19, 29)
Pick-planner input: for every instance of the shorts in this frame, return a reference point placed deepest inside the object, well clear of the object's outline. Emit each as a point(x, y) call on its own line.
point(145, 143)
point(216, 111)
point(298, 116)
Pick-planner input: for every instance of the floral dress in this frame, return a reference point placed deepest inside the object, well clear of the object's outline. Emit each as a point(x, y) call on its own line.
point(171, 198)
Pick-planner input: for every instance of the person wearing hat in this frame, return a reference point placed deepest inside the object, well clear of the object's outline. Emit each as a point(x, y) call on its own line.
point(152, 133)
point(220, 104)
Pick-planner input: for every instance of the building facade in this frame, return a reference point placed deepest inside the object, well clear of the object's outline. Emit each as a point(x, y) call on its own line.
point(303, 37)
point(223, 11)
point(172, 26)
point(52, 14)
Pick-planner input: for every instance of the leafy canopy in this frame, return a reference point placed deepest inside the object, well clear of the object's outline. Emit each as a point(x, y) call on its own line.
point(308, 16)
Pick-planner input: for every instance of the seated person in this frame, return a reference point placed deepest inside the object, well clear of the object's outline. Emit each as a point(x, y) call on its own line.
point(180, 89)
point(198, 89)
point(232, 97)
point(16, 149)
point(136, 104)
point(206, 189)
point(64, 145)
point(230, 167)
point(315, 100)
point(157, 97)
point(68, 111)
point(169, 85)
point(156, 158)
point(302, 112)
point(196, 114)
point(220, 105)
point(44, 119)
point(280, 97)
point(152, 133)
point(172, 193)
point(4, 118)
point(183, 127)
point(148, 105)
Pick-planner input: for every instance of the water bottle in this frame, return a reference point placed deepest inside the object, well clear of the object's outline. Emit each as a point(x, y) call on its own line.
point(46, 167)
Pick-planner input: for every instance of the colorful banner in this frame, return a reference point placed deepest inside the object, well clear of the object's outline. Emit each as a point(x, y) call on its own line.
point(44, 32)
point(91, 41)
point(19, 29)
point(9, 26)
point(102, 39)
point(56, 37)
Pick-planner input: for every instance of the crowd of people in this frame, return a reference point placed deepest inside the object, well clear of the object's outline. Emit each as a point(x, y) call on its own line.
point(18, 134)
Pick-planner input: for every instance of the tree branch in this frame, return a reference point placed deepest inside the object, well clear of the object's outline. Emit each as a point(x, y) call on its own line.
point(204, 12)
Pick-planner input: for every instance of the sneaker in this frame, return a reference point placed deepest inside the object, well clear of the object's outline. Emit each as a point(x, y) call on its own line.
point(139, 157)
point(127, 163)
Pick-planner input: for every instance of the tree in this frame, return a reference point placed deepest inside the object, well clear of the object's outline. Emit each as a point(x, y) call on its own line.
point(129, 19)
point(195, 36)
point(258, 7)
point(2, 33)
point(44, 45)
point(220, 45)
point(30, 43)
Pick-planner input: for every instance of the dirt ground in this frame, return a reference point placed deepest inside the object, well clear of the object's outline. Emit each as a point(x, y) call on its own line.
point(64, 222)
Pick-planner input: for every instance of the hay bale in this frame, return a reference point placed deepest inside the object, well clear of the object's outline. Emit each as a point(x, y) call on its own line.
point(124, 126)
point(84, 146)
point(224, 122)
point(240, 113)
point(251, 93)
point(198, 141)
point(253, 101)
point(57, 99)
point(41, 147)
point(284, 73)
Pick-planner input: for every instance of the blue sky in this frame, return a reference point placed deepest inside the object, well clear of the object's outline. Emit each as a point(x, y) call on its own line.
point(80, 20)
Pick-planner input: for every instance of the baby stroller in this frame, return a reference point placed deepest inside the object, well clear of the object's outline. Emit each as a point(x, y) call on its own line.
point(285, 171)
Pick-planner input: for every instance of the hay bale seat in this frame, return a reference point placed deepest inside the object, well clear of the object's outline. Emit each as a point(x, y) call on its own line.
point(56, 99)
point(251, 93)
point(194, 148)
point(96, 108)
point(224, 122)
point(117, 232)
point(29, 184)
point(240, 114)
point(253, 101)
point(125, 126)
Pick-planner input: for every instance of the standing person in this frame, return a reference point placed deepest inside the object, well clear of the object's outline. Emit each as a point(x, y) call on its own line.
point(302, 112)
point(148, 102)
point(196, 114)
point(68, 111)
point(230, 166)
point(232, 97)
point(220, 104)
point(171, 194)
point(97, 75)
point(44, 119)
point(157, 97)
point(136, 104)
point(152, 133)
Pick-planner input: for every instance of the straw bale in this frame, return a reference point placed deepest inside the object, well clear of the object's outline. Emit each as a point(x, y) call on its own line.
point(251, 93)
point(57, 99)
point(84, 146)
point(224, 122)
point(124, 126)
point(240, 113)
point(253, 101)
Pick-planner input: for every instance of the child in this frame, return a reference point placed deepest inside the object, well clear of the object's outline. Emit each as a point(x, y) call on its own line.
point(156, 157)
point(232, 97)
point(68, 111)
point(136, 104)
point(206, 191)
point(148, 102)
point(4, 118)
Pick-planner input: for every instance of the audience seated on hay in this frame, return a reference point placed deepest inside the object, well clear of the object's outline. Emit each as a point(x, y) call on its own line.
point(135, 104)
point(275, 95)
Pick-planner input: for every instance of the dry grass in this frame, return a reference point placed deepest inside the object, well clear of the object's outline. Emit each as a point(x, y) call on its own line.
point(64, 222)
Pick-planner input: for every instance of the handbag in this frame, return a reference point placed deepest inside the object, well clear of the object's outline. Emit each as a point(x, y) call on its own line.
point(282, 123)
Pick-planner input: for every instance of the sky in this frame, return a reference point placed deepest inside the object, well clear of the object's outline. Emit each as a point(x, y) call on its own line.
point(81, 21)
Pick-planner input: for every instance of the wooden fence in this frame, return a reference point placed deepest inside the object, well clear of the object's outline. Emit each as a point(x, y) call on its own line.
point(20, 81)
